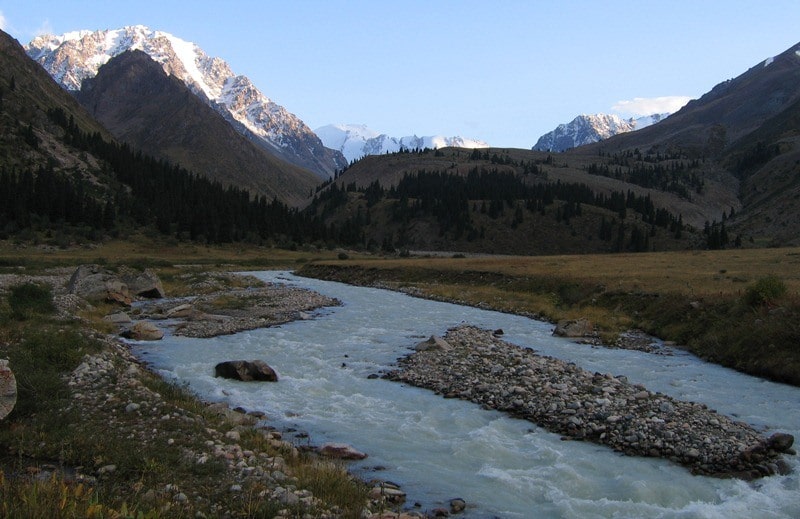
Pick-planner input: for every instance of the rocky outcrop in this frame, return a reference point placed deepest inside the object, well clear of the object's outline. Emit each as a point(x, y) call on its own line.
point(608, 410)
point(253, 370)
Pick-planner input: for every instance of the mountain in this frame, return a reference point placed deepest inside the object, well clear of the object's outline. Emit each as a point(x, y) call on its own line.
point(746, 132)
point(139, 104)
point(586, 129)
point(72, 57)
point(356, 141)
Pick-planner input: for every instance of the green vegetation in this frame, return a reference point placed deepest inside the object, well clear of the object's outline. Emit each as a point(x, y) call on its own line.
point(766, 291)
point(29, 300)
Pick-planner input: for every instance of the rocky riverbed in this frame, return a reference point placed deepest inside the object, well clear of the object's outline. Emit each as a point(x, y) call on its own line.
point(476, 365)
point(231, 311)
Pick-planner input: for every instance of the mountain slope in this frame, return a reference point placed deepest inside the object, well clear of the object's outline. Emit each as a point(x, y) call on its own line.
point(28, 137)
point(73, 57)
point(586, 129)
point(356, 141)
point(133, 97)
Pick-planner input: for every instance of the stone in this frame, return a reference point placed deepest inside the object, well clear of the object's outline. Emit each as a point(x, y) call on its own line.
point(93, 282)
point(457, 505)
point(144, 331)
point(8, 389)
point(253, 370)
point(780, 442)
point(180, 311)
point(341, 451)
point(574, 328)
point(433, 343)
point(142, 284)
point(118, 318)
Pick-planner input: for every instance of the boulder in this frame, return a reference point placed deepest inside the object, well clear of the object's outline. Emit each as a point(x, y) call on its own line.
point(341, 451)
point(8, 389)
point(144, 331)
point(433, 343)
point(180, 311)
point(253, 370)
point(118, 318)
point(457, 505)
point(574, 328)
point(93, 282)
point(142, 284)
point(780, 442)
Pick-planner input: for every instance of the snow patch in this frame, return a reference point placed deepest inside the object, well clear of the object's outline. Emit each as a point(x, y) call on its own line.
point(357, 140)
point(769, 61)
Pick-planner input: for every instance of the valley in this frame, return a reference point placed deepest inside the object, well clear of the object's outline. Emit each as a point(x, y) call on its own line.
point(663, 252)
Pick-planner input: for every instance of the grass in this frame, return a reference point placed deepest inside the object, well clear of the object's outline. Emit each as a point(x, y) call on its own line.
point(739, 308)
point(139, 251)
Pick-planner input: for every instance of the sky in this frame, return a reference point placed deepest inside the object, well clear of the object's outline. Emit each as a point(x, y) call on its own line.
point(504, 72)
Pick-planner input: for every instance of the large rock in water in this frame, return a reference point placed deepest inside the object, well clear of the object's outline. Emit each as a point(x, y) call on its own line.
point(574, 328)
point(246, 370)
point(144, 331)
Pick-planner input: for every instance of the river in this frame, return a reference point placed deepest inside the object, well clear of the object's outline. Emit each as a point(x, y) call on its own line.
point(438, 449)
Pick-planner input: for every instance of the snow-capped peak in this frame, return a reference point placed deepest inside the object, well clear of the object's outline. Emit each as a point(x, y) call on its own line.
point(358, 140)
point(75, 56)
point(586, 129)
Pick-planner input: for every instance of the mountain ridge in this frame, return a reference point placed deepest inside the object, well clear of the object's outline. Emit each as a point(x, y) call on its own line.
point(588, 129)
point(77, 55)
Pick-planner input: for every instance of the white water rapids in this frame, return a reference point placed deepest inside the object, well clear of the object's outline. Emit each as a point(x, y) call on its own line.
point(438, 449)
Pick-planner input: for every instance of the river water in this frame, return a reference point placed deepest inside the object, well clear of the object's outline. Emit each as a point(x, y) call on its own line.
point(438, 449)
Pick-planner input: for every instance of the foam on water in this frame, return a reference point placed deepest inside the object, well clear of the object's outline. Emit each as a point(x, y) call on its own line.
point(439, 448)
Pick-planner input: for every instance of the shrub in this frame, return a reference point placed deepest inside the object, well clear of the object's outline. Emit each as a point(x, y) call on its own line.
point(30, 299)
point(765, 291)
point(343, 256)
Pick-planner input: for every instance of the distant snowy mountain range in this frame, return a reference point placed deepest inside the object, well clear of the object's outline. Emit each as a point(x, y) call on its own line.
point(357, 140)
point(586, 129)
point(72, 57)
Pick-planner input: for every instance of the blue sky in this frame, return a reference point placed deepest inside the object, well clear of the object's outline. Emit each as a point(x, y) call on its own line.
point(504, 72)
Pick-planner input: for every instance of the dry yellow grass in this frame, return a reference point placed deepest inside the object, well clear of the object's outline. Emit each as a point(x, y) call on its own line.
point(158, 252)
point(700, 273)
